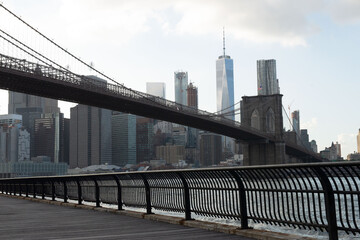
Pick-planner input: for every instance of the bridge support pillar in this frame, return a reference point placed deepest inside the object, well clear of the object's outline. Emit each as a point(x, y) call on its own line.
point(262, 153)
point(263, 113)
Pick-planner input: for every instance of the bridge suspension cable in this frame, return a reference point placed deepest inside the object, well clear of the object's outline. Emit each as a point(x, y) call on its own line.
point(57, 45)
point(90, 66)
point(296, 133)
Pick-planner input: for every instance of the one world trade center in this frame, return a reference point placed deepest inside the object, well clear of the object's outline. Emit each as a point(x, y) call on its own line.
point(225, 90)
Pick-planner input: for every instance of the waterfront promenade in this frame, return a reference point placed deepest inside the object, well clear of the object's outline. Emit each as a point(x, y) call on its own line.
point(23, 219)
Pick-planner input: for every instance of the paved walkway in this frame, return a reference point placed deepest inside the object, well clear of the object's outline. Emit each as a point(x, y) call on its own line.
point(22, 219)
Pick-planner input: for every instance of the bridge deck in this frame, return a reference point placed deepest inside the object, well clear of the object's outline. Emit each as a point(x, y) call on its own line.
point(30, 220)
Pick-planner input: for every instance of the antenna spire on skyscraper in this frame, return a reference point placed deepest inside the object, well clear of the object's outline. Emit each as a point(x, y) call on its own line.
point(224, 40)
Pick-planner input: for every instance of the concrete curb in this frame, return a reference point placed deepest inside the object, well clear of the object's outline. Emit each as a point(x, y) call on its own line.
point(211, 226)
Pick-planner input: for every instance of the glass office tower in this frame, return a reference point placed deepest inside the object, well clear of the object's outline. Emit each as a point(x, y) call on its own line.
point(181, 83)
point(225, 92)
point(268, 83)
point(225, 86)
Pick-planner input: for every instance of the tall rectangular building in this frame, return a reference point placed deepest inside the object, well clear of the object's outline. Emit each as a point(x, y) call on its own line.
point(66, 140)
point(23, 145)
point(225, 92)
point(144, 139)
point(295, 118)
point(304, 137)
point(49, 136)
point(210, 149)
point(225, 85)
point(192, 133)
point(192, 96)
point(181, 83)
point(3, 141)
point(156, 89)
point(123, 139)
point(268, 84)
point(14, 139)
point(90, 136)
point(22, 100)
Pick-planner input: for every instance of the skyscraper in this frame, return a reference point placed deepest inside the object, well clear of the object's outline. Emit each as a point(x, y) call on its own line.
point(225, 91)
point(268, 84)
point(313, 145)
point(49, 136)
point(123, 139)
point(225, 84)
point(210, 149)
point(192, 133)
point(295, 118)
point(22, 100)
point(144, 139)
point(14, 139)
point(304, 137)
point(90, 136)
point(181, 83)
point(192, 96)
point(156, 89)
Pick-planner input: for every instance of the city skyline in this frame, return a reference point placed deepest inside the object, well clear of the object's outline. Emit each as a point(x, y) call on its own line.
point(316, 51)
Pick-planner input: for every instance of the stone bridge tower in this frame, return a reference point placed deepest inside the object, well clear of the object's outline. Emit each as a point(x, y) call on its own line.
point(264, 113)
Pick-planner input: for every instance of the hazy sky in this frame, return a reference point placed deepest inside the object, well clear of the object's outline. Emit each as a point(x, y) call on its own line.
point(315, 44)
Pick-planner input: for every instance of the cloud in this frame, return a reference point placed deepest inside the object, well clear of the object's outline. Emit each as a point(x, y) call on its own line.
point(281, 21)
point(345, 11)
point(312, 124)
point(116, 21)
point(284, 22)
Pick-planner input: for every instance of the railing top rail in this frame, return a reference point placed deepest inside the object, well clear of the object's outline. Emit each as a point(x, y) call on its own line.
point(279, 166)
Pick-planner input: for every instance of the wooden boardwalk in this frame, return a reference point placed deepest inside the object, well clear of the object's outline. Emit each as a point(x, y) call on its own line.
point(21, 219)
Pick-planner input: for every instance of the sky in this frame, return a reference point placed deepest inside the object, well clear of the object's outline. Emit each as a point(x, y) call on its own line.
point(315, 44)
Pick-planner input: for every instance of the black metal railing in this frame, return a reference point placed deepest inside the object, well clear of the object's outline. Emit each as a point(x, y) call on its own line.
point(322, 196)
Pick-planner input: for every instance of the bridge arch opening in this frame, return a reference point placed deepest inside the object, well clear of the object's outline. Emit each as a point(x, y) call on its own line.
point(255, 119)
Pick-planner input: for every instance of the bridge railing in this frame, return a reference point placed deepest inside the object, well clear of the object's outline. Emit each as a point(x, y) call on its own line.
point(320, 196)
point(79, 81)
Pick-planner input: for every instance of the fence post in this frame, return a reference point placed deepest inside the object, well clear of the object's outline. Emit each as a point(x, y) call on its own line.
point(65, 191)
point(27, 189)
point(186, 197)
point(97, 192)
point(242, 195)
point(52, 190)
point(79, 191)
point(43, 190)
point(20, 193)
point(147, 194)
point(119, 197)
point(34, 189)
point(329, 203)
